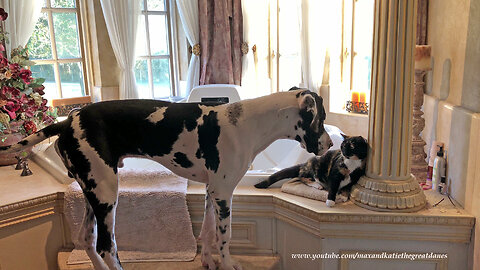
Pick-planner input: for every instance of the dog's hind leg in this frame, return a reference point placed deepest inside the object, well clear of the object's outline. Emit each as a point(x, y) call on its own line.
point(104, 199)
point(88, 237)
point(208, 235)
point(222, 202)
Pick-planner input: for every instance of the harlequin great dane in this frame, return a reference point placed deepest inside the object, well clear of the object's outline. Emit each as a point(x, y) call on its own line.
point(212, 144)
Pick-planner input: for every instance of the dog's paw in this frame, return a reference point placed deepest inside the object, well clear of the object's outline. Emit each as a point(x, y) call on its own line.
point(208, 262)
point(235, 266)
point(330, 203)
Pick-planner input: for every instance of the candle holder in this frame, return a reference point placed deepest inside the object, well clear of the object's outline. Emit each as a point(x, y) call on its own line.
point(357, 107)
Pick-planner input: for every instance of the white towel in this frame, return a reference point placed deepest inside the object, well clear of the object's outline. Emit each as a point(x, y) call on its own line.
point(152, 220)
point(296, 187)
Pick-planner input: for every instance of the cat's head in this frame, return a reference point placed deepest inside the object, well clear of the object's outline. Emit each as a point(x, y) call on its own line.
point(354, 147)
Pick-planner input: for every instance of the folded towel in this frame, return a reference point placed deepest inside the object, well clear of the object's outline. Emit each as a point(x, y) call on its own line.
point(297, 187)
point(152, 220)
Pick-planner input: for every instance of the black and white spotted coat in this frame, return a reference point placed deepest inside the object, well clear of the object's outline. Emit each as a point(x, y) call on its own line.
point(212, 144)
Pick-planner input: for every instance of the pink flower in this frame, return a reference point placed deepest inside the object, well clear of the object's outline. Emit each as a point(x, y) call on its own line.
point(26, 75)
point(3, 14)
point(3, 61)
point(11, 108)
point(15, 69)
point(39, 90)
point(8, 92)
point(29, 127)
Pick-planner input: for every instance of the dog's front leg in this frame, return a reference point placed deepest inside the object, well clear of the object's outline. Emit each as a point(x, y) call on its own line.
point(222, 201)
point(207, 235)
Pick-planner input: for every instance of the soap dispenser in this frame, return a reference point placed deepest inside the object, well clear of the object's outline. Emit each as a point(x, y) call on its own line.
point(438, 175)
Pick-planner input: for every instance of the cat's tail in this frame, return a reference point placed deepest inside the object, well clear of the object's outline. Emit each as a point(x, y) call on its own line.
point(290, 172)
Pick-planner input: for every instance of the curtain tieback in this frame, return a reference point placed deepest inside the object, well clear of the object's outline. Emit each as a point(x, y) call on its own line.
point(196, 49)
point(244, 48)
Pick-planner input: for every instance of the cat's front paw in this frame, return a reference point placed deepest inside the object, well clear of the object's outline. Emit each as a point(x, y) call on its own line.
point(330, 203)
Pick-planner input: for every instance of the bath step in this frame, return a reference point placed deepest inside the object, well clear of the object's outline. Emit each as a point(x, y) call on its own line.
point(248, 262)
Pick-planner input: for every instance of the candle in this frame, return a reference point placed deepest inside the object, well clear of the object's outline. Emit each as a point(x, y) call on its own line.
point(355, 97)
point(363, 97)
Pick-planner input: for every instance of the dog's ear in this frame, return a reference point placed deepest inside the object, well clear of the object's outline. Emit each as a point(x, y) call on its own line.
point(308, 103)
point(344, 136)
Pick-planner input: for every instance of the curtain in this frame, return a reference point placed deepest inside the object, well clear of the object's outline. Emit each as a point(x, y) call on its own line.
point(221, 35)
point(314, 36)
point(255, 81)
point(22, 17)
point(121, 18)
point(188, 10)
point(422, 19)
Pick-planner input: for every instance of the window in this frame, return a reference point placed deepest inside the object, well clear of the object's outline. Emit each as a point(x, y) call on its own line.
point(154, 68)
point(355, 61)
point(57, 48)
point(343, 28)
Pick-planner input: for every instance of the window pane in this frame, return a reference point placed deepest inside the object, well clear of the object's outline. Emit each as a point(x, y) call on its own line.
point(71, 77)
point(363, 45)
point(141, 45)
point(158, 34)
point(289, 35)
point(161, 77)
point(157, 5)
point(290, 72)
point(141, 77)
point(66, 35)
point(63, 3)
point(39, 45)
point(46, 72)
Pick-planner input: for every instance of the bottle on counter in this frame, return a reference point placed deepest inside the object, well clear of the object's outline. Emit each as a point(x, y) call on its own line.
point(438, 175)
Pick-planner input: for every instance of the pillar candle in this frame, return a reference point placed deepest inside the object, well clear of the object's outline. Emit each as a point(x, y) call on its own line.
point(363, 97)
point(355, 96)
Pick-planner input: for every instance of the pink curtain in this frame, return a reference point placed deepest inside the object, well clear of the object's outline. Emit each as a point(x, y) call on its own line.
point(221, 36)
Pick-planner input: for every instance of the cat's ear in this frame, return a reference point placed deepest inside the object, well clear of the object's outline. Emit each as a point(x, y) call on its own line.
point(344, 136)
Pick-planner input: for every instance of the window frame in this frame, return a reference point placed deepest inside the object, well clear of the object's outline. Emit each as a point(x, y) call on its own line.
point(172, 47)
point(49, 10)
point(347, 59)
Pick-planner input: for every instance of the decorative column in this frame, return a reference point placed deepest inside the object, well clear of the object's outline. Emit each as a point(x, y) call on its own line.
point(388, 184)
point(422, 65)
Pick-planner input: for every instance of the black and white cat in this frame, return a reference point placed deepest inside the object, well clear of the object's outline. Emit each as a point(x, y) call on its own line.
point(335, 171)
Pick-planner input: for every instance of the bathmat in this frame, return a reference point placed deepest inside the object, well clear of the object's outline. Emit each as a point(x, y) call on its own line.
point(152, 220)
point(296, 187)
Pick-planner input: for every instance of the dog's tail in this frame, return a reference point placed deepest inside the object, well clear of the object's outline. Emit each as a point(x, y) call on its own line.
point(49, 131)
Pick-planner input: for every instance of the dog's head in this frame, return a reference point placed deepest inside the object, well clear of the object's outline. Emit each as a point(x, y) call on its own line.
point(310, 130)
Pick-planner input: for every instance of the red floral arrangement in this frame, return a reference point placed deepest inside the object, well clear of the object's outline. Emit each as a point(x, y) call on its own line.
point(21, 98)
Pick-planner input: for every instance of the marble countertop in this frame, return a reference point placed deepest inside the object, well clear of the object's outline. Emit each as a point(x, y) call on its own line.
point(15, 188)
point(443, 209)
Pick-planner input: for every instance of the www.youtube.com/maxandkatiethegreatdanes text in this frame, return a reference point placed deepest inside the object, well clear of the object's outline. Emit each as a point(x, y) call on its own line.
point(373, 255)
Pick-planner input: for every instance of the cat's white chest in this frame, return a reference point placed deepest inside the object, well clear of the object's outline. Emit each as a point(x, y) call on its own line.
point(353, 164)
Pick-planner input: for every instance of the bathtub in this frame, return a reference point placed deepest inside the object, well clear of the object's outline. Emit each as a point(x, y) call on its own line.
point(280, 154)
